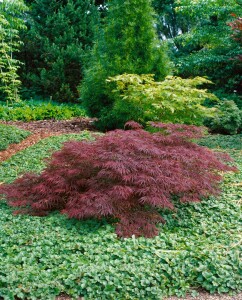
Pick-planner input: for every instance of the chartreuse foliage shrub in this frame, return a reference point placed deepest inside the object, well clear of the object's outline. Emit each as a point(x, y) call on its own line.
point(198, 247)
point(126, 175)
point(11, 135)
point(227, 120)
point(141, 98)
point(31, 111)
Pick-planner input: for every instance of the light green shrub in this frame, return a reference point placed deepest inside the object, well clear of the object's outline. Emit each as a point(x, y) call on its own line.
point(141, 98)
point(40, 111)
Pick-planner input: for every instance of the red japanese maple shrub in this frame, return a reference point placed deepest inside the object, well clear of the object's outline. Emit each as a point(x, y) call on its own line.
point(124, 174)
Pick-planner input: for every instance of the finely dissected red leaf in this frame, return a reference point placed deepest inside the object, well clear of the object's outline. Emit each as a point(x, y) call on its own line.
point(124, 174)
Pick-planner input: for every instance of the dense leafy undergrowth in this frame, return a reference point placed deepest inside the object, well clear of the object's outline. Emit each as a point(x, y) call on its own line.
point(10, 135)
point(199, 246)
point(40, 110)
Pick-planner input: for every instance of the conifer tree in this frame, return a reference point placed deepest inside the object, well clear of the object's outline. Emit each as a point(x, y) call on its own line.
point(126, 44)
point(59, 34)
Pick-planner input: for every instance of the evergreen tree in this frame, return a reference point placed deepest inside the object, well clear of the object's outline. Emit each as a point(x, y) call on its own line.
point(11, 21)
point(126, 44)
point(59, 34)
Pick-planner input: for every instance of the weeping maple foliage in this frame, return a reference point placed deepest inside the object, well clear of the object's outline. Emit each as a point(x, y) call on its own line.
point(125, 174)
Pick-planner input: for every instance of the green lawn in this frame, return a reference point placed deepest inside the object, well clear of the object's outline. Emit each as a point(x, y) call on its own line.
point(199, 246)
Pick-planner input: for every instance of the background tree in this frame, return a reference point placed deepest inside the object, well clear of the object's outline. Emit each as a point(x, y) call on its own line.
point(126, 44)
point(206, 48)
point(59, 33)
point(11, 22)
point(236, 26)
point(169, 23)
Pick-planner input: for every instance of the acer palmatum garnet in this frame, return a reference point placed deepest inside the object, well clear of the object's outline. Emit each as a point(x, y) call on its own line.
point(126, 174)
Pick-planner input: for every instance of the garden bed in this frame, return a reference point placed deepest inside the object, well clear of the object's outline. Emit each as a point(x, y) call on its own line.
point(74, 125)
point(198, 247)
point(19, 139)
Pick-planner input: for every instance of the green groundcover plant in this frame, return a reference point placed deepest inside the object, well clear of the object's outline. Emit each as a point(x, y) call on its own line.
point(32, 111)
point(11, 135)
point(198, 247)
point(218, 141)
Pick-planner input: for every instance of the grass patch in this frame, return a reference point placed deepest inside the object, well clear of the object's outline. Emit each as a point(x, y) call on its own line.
point(40, 258)
point(11, 135)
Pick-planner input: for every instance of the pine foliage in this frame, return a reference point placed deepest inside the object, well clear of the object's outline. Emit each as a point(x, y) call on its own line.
point(227, 120)
point(127, 43)
point(59, 34)
point(128, 175)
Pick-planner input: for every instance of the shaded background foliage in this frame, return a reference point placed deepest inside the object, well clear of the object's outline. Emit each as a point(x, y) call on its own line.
point(201, 42)
point(104, 39)
point(59, 33)
point(207, 47)
point(198, 32)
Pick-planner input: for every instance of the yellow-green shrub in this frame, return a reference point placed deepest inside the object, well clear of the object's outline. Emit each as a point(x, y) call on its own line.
point(141, 98)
